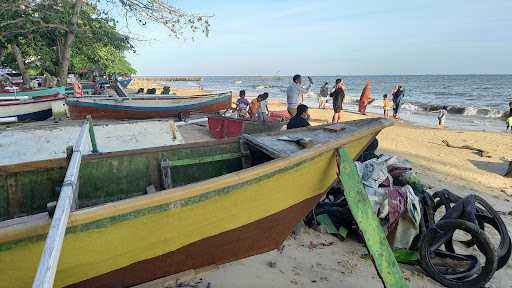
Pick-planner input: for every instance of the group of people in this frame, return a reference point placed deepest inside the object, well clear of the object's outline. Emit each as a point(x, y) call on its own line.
point(337, 93)
point(256, 109)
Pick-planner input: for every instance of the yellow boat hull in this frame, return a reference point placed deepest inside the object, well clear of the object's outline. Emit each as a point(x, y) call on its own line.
point(211, 222)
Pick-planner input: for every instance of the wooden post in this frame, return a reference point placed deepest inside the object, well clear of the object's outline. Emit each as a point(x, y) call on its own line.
point(50, 258)
point(361, 208)
point(92, 135)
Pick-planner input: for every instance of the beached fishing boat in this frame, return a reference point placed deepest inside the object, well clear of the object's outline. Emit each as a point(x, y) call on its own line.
point(224, 127)
point(32, 109)
point(48, 92)
point(217, 202)
point(146, 107)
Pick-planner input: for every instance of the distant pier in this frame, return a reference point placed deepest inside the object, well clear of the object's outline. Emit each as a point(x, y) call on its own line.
point(168, 78)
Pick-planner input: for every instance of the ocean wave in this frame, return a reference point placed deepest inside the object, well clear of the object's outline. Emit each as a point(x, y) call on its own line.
point(458, 110)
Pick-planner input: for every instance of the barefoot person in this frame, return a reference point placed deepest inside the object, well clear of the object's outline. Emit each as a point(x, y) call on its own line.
point(509, 123)
point(338, 95)
point(300, 119)
point(295, 93)
point(365, 97)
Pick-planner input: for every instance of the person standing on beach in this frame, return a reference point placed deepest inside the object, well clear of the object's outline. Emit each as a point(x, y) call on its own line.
point(262, 110)
point(510, 107)
point(509, 123)
point(441, 116)
point(241, 105)
point(387, 105)
point(324, 93)
point(365, 98)
point(295, 93)
point(398, 94)
point(253, 107)
point(338, 95)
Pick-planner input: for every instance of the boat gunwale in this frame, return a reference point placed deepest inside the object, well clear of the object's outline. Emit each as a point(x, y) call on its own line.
point(34, 100)
point(27, 228)
point(54, 90)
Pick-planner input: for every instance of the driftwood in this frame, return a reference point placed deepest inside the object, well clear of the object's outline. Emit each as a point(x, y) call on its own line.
point(509, 170)
point(480, 152)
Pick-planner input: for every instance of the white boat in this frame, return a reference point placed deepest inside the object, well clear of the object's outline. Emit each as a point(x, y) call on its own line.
point(31, 109)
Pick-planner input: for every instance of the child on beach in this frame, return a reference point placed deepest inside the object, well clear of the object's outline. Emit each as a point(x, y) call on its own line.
point(241, 105)
point(262, 110)
point(441, 116)
point(387, 105)
point(253, 107)
point(509, 124)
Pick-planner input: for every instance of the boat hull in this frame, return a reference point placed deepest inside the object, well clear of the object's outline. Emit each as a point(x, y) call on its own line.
point(144, 238)
point(79, 109)
point(34, 93)
point(31, 110)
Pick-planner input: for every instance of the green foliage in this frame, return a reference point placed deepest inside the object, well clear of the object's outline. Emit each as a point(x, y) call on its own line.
point(46, 30)
point(97, 45)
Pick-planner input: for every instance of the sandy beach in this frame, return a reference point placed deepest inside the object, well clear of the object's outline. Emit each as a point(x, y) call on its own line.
point(311, 259)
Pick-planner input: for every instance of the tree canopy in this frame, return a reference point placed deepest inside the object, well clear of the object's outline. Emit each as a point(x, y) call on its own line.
point(57, 36)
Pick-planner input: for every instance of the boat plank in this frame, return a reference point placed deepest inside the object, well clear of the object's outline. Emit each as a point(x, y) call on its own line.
point(368, 223)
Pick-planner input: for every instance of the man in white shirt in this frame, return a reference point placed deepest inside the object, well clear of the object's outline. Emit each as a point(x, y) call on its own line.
point(295, 93)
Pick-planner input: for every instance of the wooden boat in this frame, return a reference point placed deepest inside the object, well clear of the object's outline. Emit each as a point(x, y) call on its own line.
point(230, 199)
point(223, 127)
point(48, 92)
point(146, 107)
point(34, 109)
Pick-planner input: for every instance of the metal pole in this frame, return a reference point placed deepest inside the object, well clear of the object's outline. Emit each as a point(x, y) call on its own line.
point(50, 258)
point(92, 135)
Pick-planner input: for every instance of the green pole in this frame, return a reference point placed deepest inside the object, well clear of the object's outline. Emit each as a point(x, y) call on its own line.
point(91, 135)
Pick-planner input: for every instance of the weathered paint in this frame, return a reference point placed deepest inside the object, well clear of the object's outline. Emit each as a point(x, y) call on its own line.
point(111, 177)
point(95, 250)
point(368, 223)
point(112, 236)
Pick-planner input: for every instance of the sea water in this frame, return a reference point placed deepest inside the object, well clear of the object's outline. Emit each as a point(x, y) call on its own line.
point(475, 102)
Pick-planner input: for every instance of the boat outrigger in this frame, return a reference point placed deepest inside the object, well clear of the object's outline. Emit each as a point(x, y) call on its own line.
point(216, 202)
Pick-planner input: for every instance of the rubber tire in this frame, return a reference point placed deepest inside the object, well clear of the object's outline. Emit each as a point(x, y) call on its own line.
point(482, 242)
point(488, 216)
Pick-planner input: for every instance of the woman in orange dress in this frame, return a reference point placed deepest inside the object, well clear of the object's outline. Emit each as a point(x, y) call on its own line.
point(365, 97)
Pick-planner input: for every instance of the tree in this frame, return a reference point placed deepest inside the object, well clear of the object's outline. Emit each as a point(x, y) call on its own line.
point(25, 19)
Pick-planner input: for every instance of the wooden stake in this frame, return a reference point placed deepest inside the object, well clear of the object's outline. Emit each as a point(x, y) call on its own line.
point(361, 208)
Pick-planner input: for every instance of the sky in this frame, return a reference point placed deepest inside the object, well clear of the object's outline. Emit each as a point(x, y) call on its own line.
point(334, 38)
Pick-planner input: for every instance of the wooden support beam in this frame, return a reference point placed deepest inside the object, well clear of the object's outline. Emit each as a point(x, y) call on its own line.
point(204, 159)
point(361, 208)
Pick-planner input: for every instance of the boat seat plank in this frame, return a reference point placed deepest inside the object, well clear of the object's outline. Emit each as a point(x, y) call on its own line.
point(271, 144)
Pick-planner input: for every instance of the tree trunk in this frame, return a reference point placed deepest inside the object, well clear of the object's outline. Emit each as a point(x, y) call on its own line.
point(21, 64)
point(66, 48)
